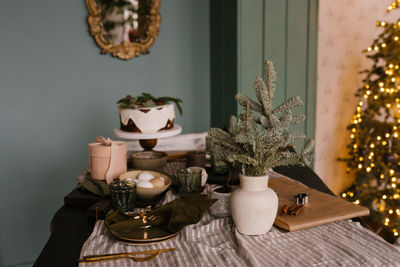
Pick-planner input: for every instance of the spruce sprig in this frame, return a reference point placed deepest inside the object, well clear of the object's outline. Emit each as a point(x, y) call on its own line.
point(259, 138)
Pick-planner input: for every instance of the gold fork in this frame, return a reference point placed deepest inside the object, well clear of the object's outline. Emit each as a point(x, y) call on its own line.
point(130, 255)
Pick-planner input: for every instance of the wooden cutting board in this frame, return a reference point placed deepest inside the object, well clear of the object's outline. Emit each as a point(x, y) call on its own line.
point(321, 208)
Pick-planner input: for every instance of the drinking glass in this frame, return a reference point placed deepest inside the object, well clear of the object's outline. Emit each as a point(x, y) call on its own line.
point(188, 181)
point(123, 195)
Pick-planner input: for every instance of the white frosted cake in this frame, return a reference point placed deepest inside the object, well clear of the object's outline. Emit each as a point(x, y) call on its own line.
point(147, 114)
point(147, 120)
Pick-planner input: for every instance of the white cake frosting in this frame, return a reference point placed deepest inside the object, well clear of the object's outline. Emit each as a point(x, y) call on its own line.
point(148, 120)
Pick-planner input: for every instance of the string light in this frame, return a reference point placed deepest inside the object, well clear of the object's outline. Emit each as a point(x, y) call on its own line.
point(371, 149)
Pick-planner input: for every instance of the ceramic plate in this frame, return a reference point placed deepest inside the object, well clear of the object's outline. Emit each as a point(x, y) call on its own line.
point(142, 235)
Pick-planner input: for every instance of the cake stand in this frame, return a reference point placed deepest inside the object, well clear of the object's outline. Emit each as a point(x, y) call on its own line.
point(148, 140)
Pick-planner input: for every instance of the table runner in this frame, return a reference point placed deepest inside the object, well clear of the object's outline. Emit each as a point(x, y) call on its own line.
point(216, 242)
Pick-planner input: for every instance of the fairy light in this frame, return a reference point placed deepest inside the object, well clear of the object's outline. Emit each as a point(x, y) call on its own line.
point(387, 89)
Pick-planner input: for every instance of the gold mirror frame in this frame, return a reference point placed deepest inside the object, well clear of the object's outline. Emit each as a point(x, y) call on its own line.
point(125, 50)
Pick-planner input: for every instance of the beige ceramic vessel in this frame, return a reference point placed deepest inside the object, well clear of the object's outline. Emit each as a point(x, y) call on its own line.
point(149, 160)
point(147, 192)
point(254, 205)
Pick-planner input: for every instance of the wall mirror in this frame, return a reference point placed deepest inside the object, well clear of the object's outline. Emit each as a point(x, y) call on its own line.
point(124, 28)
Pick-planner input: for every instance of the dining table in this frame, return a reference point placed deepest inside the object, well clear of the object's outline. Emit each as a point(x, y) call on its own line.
point(72, 229)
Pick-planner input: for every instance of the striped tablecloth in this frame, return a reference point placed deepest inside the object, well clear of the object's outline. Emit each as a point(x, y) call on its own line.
point(216, 242)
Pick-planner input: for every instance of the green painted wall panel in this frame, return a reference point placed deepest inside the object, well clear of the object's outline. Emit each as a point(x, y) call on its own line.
point(296, 63)
point(275, 29)
point(223, 35)
point(312, 67)
point(250, 44)
point(57, 93)
point(284, 31)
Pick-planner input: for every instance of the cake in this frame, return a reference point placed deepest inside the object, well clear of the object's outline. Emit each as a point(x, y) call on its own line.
point(147, 114)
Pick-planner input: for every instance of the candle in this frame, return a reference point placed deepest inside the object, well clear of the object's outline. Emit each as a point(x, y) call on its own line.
point(196, 159)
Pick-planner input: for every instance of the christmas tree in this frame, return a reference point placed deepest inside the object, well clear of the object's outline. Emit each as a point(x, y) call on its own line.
point(374, 132)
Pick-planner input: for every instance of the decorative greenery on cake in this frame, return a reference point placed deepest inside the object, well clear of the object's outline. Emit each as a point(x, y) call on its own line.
point(148, 100)
point(259, 139)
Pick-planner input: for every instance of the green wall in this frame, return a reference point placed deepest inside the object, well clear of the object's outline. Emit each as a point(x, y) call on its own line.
point(57, 93)
point(284, 31)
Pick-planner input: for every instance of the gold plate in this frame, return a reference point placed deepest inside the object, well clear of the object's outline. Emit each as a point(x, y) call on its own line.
point(141, 241)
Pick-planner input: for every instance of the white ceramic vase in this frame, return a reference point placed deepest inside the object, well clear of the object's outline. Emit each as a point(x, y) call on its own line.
point(254, 205)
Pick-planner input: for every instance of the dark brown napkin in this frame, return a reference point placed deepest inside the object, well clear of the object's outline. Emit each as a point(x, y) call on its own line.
point(171, 217)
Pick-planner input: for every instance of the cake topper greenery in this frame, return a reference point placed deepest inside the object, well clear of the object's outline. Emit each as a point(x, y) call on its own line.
point(148, 100)
point(259, 139)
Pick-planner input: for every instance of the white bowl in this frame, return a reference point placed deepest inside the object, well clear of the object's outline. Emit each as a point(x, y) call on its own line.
point(148, 192)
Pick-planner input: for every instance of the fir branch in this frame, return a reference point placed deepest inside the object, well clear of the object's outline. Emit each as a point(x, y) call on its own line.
point(262, 96)
point(290, 103)
point(270, 78)
point(242, 99)
point(258, 139)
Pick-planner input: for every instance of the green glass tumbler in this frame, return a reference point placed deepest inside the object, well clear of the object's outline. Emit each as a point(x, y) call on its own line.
point(123, 195)
point(188, 181)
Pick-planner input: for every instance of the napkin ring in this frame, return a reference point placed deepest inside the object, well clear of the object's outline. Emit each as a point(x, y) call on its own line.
point(301, 198)
point(145, 215)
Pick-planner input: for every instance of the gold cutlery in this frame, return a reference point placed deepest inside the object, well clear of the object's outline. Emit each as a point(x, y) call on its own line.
point(129, 255)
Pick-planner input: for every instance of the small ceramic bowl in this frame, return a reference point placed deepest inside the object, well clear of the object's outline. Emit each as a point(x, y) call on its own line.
point(149, 160)
point(144, 192)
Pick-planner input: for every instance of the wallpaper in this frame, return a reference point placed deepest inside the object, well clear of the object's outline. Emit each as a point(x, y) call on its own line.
point(346, 27)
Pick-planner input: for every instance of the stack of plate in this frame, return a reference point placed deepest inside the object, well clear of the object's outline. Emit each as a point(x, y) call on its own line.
point(142, 235)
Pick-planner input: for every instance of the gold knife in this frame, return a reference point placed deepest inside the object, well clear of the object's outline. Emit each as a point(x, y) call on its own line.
point(93, 258)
